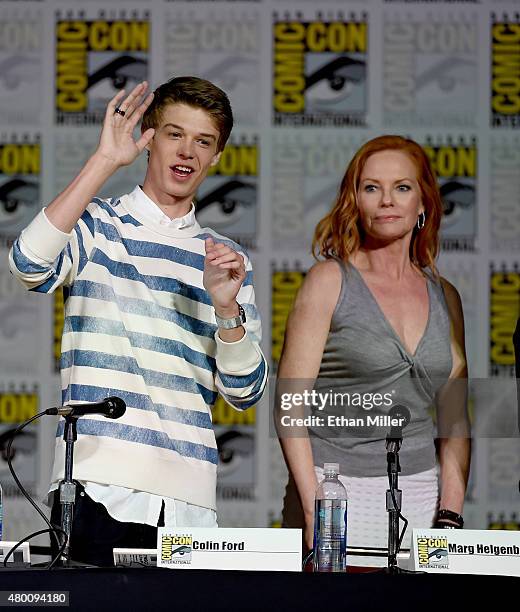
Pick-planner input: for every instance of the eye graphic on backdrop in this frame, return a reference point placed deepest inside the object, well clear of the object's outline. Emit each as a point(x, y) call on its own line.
point(230, 72)
point(447, 73)
point(120, 71)
point(23, 444)
point(225, 205)
point(234, 447)
point(18, 69)
point(335, 80)
point(456, 197)
point(14, 319)
point(16, 195)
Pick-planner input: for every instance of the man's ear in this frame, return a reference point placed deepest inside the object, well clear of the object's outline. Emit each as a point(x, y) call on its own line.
point(216, 158)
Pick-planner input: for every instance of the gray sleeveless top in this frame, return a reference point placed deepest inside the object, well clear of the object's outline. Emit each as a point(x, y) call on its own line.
point(364, 356)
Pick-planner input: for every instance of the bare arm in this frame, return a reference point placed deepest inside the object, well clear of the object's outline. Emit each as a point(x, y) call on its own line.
point(117, 148)
point(454, 429)
point(307, 330)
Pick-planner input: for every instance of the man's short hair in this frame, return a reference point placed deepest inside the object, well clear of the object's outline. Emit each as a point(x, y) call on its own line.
point(194, 92)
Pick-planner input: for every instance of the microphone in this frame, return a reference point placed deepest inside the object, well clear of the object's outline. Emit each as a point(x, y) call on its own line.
point(110, 407)
point(400, 417)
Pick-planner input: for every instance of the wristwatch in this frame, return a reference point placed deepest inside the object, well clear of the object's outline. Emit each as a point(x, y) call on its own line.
point(233, 322)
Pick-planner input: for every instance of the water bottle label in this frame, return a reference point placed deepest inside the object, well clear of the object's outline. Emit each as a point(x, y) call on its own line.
point(330, 535)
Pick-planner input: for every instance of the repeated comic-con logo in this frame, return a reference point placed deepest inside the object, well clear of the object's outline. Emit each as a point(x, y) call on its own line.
point(307, 170)
point(58, 320)
point(71, 152)
point(19, 183)
point(432, 552)
point(320, 69)
point(21, 54)
point(504, 310)
point(429, 70)
point(285, 282)
point(95, 58)
point(227, 199)
point(505, 192)
point(235, 437)
point(455, 164)
point(222, 46)
point(503, 466)
point(505, 70)
point(18, 403)
point(509, 520)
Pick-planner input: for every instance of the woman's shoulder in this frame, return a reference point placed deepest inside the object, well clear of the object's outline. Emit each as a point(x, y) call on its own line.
point(453, 300)
point(322, 285)
point(325, 274)
point(450, 291)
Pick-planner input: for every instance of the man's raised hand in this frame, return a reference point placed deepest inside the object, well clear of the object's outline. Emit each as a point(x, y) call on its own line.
point(117, 143)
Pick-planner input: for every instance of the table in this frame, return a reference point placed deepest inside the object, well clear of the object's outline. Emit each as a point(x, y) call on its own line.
point(132, 589)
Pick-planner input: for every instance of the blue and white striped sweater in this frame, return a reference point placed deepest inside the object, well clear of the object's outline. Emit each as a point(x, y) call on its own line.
point(140, 325)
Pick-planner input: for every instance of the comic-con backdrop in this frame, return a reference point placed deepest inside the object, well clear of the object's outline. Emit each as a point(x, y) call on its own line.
point(309, 83)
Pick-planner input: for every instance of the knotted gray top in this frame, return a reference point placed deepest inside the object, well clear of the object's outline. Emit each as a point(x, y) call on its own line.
point(364, 356)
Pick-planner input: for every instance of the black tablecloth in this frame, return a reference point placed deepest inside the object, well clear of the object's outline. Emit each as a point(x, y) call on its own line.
point(192, 590)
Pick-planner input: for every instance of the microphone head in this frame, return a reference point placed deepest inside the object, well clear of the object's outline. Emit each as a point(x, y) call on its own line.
point(116, 407)
point(400, 412)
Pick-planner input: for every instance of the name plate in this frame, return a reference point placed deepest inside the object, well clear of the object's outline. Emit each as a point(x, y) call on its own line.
point(21, 555)
point(135, 557)
point(230, 549)
point(466, 551)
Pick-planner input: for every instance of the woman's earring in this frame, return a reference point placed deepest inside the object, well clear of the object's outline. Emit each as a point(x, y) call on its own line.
point(421, 220)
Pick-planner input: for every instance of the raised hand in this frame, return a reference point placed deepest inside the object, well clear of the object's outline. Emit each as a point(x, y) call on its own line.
point(224, 273)
point(117, 143)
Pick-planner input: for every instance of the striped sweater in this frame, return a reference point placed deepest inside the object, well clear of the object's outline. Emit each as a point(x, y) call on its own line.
point(140, 325)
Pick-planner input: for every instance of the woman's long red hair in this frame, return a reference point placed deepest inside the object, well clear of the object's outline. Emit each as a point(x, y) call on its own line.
point(339, 233)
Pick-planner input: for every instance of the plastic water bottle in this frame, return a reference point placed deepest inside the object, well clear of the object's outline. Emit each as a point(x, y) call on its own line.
point(330, 522)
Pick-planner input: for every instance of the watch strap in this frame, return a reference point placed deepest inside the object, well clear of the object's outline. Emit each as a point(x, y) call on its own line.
point(237, 321)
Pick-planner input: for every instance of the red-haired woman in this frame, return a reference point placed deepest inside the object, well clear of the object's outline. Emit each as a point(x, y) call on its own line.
point(375, 316)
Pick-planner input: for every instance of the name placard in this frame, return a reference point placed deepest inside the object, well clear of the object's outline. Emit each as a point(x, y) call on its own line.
point(466, 551)
point(230, 549)
point(21, 554)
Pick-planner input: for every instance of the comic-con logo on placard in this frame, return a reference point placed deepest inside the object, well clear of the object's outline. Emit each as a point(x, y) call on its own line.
point(433, 552)
point(505, 70)
point(429, 70)
point(19, 183)
point(227, 200)
point(285, 282)
point(455, 164)
point(320, 70)
point(176, 549)
point(504, 310)
point(95, 58)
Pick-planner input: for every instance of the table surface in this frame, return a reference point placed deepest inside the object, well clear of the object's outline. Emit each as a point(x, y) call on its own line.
point(166, 589)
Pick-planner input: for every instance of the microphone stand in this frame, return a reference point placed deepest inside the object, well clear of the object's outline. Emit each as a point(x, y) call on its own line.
point(67, 486)
point(394, 509)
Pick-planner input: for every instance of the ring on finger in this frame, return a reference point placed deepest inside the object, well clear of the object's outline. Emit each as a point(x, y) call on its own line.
point(118, 111)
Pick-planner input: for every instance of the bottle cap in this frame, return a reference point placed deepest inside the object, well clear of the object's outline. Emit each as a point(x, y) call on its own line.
point(331, 467)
